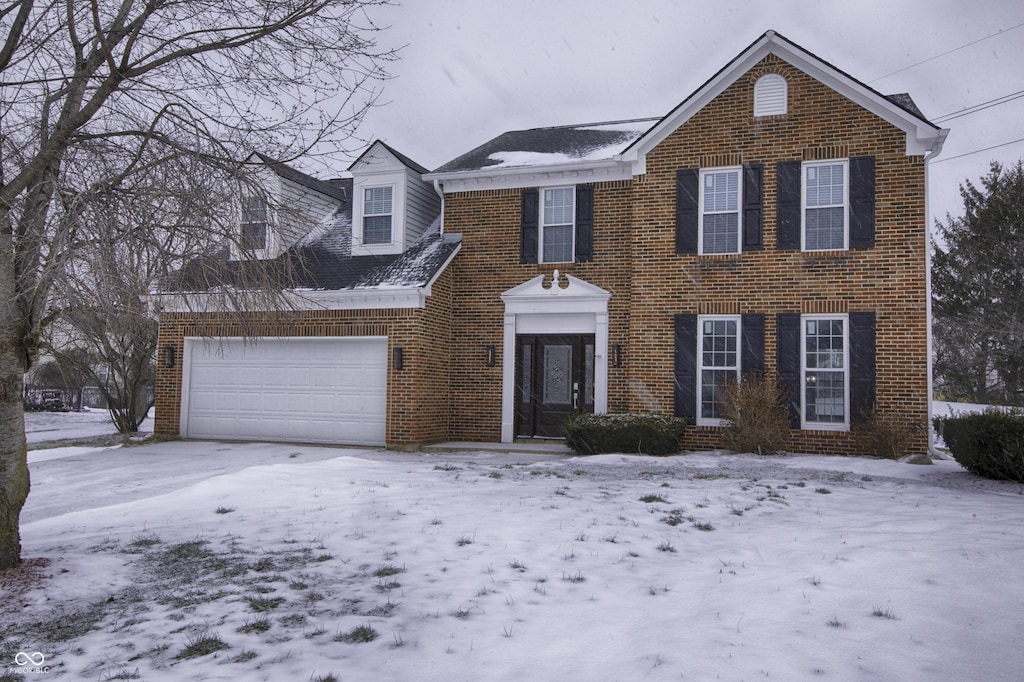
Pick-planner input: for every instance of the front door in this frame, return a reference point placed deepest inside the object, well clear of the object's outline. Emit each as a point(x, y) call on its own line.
point(554, 378)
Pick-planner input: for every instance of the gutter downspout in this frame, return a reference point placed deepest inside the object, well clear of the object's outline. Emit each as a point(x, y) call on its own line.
point(440, 193)
point(933, 452)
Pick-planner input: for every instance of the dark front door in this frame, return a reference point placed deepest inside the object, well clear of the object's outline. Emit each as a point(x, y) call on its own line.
point(554, 378)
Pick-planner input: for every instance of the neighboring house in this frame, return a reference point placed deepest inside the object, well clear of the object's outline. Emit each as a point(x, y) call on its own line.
point(774, 222)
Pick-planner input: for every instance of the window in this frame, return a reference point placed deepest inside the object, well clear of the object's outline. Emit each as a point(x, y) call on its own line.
point(720, 211)
point(719, 358)
point(377, 213)
point(254, 223)
point(825, 205)
point(825, 385)
point(558, 225)
point(770, 95)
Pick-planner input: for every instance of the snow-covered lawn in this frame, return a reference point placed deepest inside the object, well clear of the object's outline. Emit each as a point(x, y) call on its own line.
point(176, 561)
point(50, 426)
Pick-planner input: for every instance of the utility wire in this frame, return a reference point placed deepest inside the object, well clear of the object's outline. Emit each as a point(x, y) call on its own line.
point(979, 107)
point(955, 49)
point(978, 151)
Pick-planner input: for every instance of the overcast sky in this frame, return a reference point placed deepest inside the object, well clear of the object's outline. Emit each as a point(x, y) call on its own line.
point(472, 69)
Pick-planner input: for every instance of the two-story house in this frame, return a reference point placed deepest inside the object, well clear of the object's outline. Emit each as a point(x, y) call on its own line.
point(773, 222)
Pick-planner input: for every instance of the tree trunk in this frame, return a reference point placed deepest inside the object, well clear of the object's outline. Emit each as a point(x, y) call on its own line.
point(14, 479)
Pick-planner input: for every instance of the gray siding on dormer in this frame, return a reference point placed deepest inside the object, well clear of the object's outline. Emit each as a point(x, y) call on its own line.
point(422, 206)
point(301, 210)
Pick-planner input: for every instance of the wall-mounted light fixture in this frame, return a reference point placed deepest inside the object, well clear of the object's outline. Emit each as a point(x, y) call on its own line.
point(490, 355)
point(616, 355)
point(397, 360)
point(168, 356)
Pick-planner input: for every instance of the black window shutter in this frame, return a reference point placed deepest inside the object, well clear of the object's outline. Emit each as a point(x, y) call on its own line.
point(753, 192)
point(862, 364)
point(787, 361)
point(752, 354)
point(528, 227)
point(686, 367)
point(584, 223)
point(686, 210)
point(787, 205)
point(862, 202)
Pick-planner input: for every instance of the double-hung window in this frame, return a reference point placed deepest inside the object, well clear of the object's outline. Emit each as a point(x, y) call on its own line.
point(825, 373)
point(719, 358)
point(720, 210)
point(377, 214)
point(253, 223)
point(558, 219)
point(825, 205)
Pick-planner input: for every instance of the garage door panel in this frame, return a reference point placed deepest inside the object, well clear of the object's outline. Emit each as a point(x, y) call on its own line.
point(329, 390)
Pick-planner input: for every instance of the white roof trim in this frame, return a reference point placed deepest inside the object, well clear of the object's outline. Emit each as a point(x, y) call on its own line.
point(343, 299)
point(922, 137)
point(605, 170)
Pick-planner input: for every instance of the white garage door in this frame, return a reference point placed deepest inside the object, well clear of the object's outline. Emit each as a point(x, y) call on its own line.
point(311, 390)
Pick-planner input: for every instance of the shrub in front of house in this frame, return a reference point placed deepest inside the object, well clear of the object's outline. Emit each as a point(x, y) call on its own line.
point(755, 415)
point(989, 444)
point(650, 434)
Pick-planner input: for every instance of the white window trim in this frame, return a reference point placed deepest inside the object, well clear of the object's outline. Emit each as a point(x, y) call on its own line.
point(396, 182)
point(739, 209)
point(701, 319)
point(845, 163)
point(825, 426)
point(271, 240)
point(572, 225)
point(391, 214)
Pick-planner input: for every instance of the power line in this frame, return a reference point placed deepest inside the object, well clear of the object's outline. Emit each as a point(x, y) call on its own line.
point(955, 49)
point(979, 107)
point(978, 151)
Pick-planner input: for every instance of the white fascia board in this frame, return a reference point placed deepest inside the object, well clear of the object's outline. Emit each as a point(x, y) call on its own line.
point(921, 137)
point(605, 170)
point(344, 299)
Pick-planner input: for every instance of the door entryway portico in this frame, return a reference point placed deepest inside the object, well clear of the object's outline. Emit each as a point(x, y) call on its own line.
point(535, 313)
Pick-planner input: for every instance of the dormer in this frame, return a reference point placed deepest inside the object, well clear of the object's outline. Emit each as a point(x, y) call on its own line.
point(278, 205)
point(392, 206)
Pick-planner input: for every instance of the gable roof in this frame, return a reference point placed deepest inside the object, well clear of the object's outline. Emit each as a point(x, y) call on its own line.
point(402, 158)
point(922, 135)
point(617, 150)
point(335, 189)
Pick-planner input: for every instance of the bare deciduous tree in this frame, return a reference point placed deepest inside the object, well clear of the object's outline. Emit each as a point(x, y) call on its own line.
point(141, 83)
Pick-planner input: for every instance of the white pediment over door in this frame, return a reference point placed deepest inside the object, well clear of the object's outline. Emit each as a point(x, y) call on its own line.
point(552, 305)
point(554, 297)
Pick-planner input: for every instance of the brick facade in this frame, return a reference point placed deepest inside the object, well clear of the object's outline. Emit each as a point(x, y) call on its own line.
point(635, 259)
point(417, 406)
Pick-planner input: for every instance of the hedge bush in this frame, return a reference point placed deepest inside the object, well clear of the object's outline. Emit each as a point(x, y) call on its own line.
point(989, 444)
point(651, 434)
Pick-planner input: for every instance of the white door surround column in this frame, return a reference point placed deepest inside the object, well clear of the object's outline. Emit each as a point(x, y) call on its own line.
point(578, 307)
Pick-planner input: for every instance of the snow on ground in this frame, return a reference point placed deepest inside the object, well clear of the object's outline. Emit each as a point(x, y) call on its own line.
point(508, 567)
point(47, 426)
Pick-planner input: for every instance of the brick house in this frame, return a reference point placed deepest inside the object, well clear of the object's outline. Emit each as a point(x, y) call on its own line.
point(773, 222)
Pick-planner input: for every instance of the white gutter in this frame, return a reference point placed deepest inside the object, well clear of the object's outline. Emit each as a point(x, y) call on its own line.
point(936, 149)
point(440, 193)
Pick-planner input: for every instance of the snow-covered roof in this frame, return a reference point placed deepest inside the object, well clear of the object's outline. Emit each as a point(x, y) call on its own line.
point(551, 146)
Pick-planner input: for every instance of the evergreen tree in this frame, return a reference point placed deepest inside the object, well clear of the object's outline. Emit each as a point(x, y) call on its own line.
point(978, 292)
